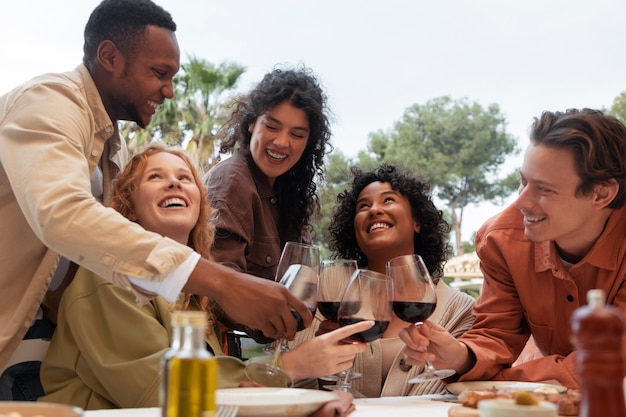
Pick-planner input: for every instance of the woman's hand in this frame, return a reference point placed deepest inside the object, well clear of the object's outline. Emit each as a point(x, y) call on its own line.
point(325, 354)
point(431, 341)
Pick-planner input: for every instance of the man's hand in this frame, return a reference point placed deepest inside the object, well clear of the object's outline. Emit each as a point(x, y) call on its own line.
point(254, 302)
point(431, 341)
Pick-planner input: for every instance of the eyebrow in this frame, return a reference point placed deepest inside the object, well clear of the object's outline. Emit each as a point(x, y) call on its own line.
point(158, 169)
point(538, 181)
point(384, 193)
point(275, 120)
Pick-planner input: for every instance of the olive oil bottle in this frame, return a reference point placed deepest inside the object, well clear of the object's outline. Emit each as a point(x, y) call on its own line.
point(189, 370)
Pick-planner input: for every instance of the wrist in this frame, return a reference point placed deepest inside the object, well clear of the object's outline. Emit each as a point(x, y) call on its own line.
point(466, 359)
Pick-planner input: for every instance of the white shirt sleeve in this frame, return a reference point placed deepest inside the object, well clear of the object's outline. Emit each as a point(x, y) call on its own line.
point(173, 283)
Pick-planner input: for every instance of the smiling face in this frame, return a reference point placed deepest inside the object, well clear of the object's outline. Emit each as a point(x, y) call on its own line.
point(167, 198)
point(279, 138)
point(143, 80)
point(384, 224)
point(552, 210)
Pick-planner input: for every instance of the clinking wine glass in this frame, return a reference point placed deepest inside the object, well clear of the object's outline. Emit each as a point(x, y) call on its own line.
point(414, 300)
point(335, 275)
point(367, 297)
point(298, 270)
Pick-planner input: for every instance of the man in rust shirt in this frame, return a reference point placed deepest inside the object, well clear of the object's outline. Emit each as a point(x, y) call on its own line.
point(563, 236)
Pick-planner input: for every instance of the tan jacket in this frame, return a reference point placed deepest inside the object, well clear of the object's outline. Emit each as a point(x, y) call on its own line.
point(53, 131)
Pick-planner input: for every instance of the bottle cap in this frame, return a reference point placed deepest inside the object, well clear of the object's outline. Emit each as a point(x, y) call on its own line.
point(189, 318)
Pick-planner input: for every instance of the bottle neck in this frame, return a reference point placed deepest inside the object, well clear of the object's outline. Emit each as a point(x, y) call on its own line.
point(176, 337)
point(193, 339)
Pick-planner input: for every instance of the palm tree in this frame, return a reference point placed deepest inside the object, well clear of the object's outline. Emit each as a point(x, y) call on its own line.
point(196, 112)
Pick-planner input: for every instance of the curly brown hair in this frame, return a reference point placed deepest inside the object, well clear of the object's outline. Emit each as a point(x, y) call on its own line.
point(296, 189)
point(431, 242)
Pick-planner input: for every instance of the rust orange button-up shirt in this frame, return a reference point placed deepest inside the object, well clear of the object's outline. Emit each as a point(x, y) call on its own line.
point(527, 290)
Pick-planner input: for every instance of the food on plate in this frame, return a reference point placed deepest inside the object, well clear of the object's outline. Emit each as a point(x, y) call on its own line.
point(525, 398)
point(509, 408)
point(568, 403)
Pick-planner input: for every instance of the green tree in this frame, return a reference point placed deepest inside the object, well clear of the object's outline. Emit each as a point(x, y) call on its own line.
point(458, 147)
point(337, 178)
point(618, 109)
point(195, 113)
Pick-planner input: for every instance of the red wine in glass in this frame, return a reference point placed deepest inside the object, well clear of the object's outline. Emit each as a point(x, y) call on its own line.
point(414, 300)
point(367, 335)
point(328, 309)
point(413, 311)
point(367, 297)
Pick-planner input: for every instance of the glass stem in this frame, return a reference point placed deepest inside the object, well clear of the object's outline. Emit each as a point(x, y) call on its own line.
point(277, 351)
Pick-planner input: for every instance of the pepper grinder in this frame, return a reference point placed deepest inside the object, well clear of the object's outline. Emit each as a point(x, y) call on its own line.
point(597, 335)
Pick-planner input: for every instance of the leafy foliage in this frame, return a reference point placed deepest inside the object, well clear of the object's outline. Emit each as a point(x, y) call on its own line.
point(618, 109)
point(457, 146)
point(196, 112)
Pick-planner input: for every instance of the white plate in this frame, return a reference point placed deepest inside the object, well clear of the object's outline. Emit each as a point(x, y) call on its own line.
point(459, 387)
point(265, 402)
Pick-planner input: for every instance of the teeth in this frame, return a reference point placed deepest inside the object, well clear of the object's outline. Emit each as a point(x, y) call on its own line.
point(275, 156)
point(534, 219)
point(173, 202)
point(153, 104)
point(378, 226)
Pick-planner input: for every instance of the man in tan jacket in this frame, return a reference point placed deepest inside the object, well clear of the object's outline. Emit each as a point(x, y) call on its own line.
point(59, 151)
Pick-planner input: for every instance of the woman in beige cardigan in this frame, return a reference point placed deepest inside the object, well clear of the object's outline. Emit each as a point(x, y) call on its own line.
point(388, 213)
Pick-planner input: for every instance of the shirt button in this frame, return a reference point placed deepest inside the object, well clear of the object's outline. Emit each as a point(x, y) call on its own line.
point(273, 200)
point(405, 367)
point(268, 259)
point(570, 298)
point(94, 153)
point(108, 129)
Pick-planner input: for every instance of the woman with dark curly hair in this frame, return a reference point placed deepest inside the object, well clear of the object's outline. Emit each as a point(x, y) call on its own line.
point(430, 241)
point(388, 213)
point(265, 194)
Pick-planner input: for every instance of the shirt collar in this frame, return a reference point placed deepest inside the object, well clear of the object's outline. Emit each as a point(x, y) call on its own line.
point(605, 252)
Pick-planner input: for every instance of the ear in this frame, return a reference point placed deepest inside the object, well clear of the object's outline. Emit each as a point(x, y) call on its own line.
point(418, 227)
point(605, 193)
point(108, 55)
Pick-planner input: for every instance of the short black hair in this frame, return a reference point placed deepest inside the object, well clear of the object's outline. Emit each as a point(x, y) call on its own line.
point(123, 22)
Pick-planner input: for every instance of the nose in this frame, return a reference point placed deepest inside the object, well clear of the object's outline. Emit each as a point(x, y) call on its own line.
point(375, 209)
point(168, 90)
point(525, 198)
point(282, 139)
point(174, 183)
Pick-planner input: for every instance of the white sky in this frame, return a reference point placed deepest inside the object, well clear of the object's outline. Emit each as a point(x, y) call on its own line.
point(374, 58)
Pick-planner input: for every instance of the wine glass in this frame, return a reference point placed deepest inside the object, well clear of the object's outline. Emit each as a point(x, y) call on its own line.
point(414, 300)
point(334, 277)
point(367, 297)
point(298, 270)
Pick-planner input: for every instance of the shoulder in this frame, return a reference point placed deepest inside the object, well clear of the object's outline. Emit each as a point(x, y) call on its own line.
point(507, 225)
point(87, 286)
point(229, 174)
point(452, 296)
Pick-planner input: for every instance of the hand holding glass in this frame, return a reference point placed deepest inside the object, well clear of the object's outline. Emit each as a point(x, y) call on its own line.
point(414, 300)
point(298, 270)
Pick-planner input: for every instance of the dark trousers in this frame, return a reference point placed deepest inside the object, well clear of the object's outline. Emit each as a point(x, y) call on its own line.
point(20, 382)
